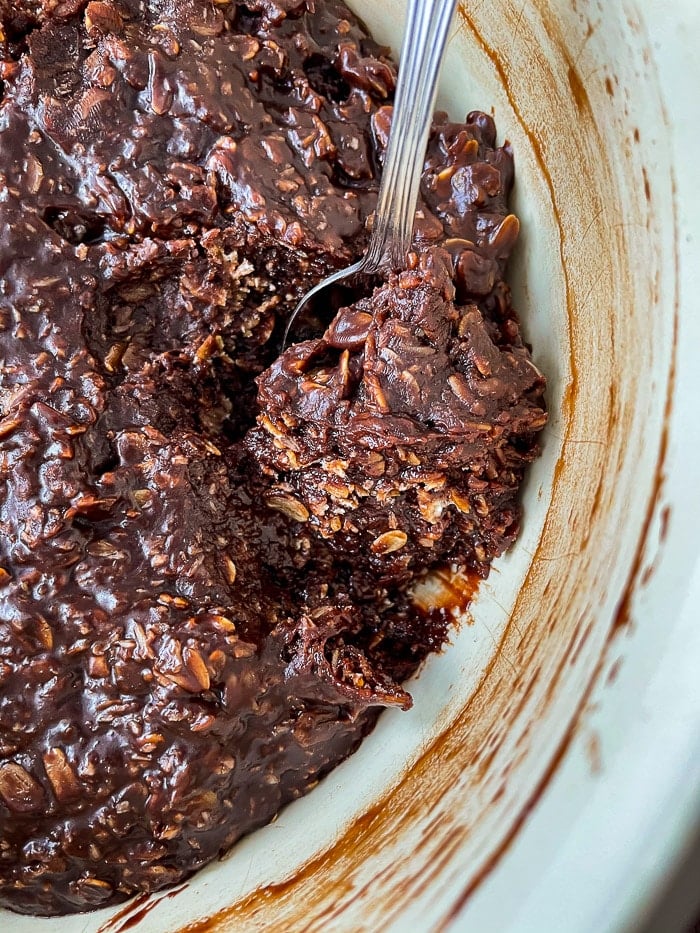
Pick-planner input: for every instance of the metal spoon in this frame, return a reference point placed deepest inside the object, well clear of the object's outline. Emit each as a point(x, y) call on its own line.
point(427, 26)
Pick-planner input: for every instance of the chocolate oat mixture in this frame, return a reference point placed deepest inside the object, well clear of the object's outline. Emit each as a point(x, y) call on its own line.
point(207, 548)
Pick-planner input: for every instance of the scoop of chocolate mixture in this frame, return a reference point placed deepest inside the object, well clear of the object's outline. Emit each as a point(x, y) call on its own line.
point(205, 581)
point(403, 433)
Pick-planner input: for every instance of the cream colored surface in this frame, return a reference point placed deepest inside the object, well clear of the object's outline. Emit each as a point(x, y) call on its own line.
point(447, 816)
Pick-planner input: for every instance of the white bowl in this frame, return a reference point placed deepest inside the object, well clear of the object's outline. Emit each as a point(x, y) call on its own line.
point(549, 774)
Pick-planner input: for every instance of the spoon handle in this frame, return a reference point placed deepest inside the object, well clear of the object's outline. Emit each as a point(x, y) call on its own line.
point(427, 26)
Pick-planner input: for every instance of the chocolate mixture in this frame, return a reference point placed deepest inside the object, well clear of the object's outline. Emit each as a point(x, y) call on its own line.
point(207, 549)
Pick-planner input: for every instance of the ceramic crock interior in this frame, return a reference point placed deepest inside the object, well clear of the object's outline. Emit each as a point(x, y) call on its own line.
point(409, 825)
